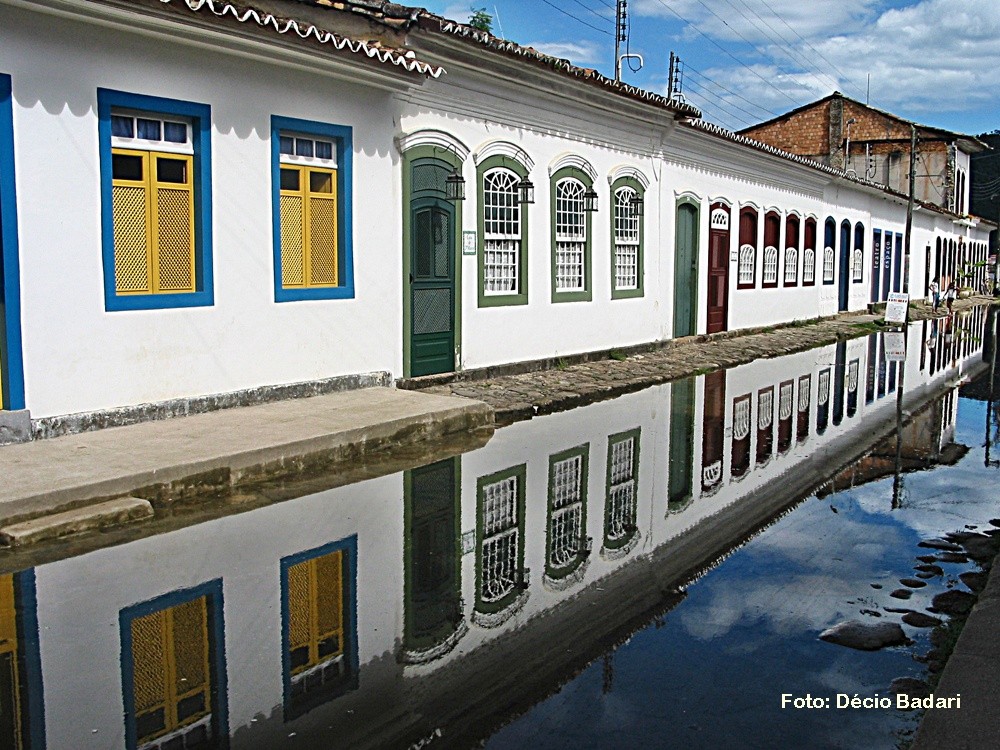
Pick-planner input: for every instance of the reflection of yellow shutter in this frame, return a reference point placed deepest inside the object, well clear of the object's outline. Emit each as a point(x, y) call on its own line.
point(10, 714)
point(308, 219)
point(154, 225)
point(170, 668)
point(316, 610)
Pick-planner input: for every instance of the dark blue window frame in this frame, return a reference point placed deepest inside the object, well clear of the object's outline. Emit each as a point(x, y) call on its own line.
point(349, 547)
point(343, 138)
point(216, 655)
point(11, 364)
point(201, 132)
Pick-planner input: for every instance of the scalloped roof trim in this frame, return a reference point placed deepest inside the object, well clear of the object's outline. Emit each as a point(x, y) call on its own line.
point(304, 30)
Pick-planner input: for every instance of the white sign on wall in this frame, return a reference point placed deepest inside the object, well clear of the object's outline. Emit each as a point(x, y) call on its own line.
point(469, 242)
point(896, 307)
point(895, 346)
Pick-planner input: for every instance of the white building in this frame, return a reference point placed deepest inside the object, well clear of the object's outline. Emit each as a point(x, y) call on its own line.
point(204, 205)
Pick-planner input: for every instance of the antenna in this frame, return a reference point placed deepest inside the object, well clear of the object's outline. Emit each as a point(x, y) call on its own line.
point(675, 78)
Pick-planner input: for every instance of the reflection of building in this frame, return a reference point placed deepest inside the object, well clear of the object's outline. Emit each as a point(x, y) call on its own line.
point(372, 614)
point(21, 710)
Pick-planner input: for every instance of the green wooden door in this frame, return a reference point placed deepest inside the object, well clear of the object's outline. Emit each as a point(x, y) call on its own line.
point(680, 472)
point(432, 286)
point(685, 270)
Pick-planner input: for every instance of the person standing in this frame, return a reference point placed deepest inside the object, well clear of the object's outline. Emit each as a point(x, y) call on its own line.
point(935, 292)
point(951, 295)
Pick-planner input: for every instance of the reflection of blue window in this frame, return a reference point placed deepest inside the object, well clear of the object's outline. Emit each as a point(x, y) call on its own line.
point(173, 670)
point(319, 635)
point(22, 721)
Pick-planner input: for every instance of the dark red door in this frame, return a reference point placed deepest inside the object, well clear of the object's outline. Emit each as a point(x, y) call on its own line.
point(718, 268)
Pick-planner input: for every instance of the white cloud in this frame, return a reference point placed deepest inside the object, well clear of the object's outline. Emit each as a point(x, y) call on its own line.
point(579, 53)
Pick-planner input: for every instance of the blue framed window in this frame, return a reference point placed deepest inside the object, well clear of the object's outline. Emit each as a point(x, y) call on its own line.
point(319, 632)
point(11, 368)
point(173, 669)
point(156, 201)
point(311, 195)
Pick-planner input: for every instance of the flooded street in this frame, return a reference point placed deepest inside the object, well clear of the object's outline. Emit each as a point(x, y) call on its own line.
point(653, 570)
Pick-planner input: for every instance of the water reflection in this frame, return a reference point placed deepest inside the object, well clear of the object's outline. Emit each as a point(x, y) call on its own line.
point(441, 601)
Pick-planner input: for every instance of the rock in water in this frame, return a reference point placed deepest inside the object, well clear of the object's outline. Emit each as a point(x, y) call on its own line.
point(920, 620)
point(865, 636)
point(910, 686)
point(953, 602)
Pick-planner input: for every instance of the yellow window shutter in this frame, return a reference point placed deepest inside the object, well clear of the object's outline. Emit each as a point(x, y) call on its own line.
point(329, 595)
point(172, 188)
point(149, 662)
point(130, 202)
point(322, 227)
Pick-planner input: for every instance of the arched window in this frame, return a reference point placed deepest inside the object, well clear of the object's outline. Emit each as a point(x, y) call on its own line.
point(792, 250)
point(748, 248)
point(772, 228)
point(828, 253)
point(620, 526)
point(802, 422)
point(740, 454)
point(571, 236)
point(809, 254)
point(859, 253)
point(765, 421)
point(501, 233)
point(627, 238)
point(566, 542)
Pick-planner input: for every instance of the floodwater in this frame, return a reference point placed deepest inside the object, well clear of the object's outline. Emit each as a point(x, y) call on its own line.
point(650, 571)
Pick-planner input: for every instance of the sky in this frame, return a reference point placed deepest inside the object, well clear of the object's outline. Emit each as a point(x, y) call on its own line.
point(936, 62)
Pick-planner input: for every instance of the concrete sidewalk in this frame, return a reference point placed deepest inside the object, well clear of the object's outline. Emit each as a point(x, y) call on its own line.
point(172, 459)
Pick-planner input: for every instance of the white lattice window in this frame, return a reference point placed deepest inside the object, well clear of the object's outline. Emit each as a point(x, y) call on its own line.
point(746, 264)
point(785, 400)
point(859, 262)
point(770, 274)
point(500, 539)
point(621, 492)
point(791, 265)
point(626, 239)
point(741, 419)
point(571, 236)
point(765, 409)
point(808, 266)
point(501, 233)
point(852, 376)
point(566, 517)
point(805, 386)
point(827, 264)
point(824, 387)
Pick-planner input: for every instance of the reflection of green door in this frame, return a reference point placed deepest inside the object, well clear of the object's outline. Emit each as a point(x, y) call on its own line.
point(432, 608)
point(685, 270)
point(680, 473)
point(432, 286)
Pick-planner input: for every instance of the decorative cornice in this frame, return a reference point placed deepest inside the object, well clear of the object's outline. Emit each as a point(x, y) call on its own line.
point(436, 138)
point(626, 170)
point(572, 160)
point(503, 148)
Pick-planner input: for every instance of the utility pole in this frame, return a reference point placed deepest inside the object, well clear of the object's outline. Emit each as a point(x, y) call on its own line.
point(671, 74)
point(909, 214)
point(621, 34)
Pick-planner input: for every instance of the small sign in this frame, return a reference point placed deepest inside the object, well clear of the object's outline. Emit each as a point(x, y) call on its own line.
point(469, 243)
point(896, 307)
point(468, 538)
point(734, 256)
point(895, 346)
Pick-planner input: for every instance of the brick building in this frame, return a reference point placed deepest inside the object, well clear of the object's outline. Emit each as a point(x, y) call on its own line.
point(847, 134)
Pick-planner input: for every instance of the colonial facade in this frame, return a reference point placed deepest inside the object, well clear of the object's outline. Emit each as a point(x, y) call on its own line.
point(206, 202)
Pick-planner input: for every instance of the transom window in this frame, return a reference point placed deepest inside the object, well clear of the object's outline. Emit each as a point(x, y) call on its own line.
point(828, 265)
point(626, 231)
point(303, 149)
point(571, 236)
point(148, 131)
point(501, 232)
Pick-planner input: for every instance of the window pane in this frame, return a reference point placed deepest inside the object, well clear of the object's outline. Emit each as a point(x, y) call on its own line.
point(324, 150)
point(171, 170)
point(320, 182)
point(148, 129)
point(126, 167)
point(122, 127)
point(303, 147)
point(286, 144)
point(289, 179)
point(175, 132)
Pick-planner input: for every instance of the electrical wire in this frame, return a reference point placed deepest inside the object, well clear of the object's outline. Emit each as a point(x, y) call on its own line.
point(576, 18)
point(689, 69)
point(587, 7)
point(705, 91)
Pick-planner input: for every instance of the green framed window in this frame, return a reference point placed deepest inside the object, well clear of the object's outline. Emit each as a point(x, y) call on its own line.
point(621, 491)
point(627, 238)
point(500, 573)
point(566, 540)
point(503, 233)
point(571, 235)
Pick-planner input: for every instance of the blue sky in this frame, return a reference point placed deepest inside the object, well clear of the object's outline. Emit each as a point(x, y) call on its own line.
point(745, 61)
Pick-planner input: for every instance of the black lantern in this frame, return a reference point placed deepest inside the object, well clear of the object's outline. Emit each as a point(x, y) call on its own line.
point(454, 187)
point(525, 191)
point(636, 205)
point(590, 200)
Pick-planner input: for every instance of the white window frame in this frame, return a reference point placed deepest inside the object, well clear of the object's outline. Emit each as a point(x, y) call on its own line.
point(627, 239)
point(570, 238)
point(503, 247)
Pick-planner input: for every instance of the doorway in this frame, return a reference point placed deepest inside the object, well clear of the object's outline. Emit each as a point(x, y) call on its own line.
point(718, 269)
point(686, 269)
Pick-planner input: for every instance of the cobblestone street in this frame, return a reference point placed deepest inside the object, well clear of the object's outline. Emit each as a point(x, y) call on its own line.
point(524, 395)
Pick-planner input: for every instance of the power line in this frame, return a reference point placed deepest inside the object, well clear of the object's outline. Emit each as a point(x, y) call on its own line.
point(689, 69)
point(725, 51)
point(587, 7)
point(823, 57)
point(717, 103)
point(707, 107)
point(576, 18)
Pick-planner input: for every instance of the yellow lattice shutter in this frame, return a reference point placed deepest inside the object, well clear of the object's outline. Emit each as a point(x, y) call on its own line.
point(190, 644)
point(173, 207)
point(131, 204)
point(149, 667)
point(322, 227)
point(299, 612)
point(292, 208)
point(329, 601)
point(10, 711)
